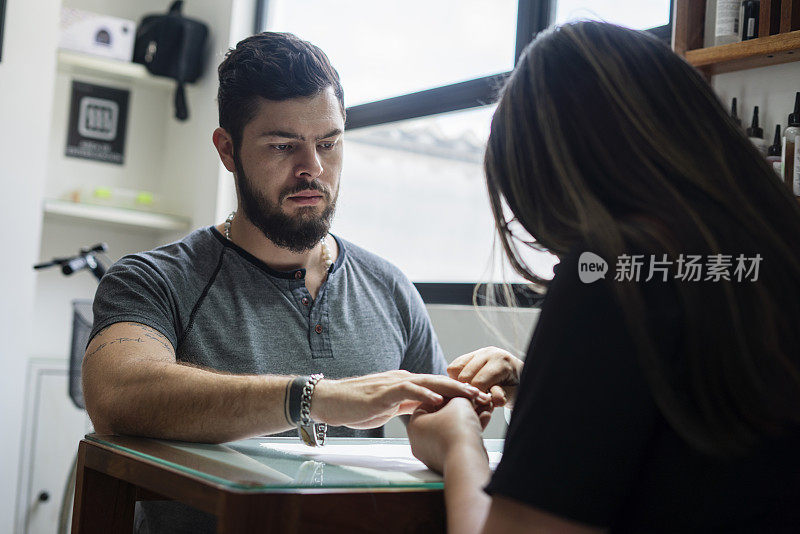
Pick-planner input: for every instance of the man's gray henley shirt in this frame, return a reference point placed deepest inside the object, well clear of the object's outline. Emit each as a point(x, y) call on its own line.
point(223, 308)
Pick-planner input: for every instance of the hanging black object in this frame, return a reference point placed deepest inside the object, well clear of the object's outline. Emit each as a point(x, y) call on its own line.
point(172, 45)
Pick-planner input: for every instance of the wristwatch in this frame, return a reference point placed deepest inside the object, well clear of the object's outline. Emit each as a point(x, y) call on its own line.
point(298, 410)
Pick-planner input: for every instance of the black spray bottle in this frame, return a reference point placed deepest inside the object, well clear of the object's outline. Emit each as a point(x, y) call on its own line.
point(734, 115)
point(756, 133)
point(774, 152)
point(748, 18)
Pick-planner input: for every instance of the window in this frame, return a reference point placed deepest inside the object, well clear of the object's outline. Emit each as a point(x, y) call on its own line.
point(636, 14)
point(413, 191)
point(389, 48)
point(420, 77)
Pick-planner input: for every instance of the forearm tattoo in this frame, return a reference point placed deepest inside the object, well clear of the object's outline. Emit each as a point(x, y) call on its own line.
point(155, 335)
point(146, 333)
point(118, 341)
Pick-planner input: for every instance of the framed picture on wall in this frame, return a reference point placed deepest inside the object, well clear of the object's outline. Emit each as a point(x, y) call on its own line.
point(97, 123)
point(2, 21)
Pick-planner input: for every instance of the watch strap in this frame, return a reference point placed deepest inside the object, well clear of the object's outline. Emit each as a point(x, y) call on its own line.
point(294, 395)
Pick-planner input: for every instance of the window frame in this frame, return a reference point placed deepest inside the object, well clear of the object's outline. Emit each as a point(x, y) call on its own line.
point(533, 16)
point(2, 25)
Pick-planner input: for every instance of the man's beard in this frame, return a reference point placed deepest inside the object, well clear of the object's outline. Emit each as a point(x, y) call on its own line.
point(298, 233)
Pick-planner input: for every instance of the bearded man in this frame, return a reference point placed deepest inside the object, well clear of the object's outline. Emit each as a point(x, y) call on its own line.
point(216, 336)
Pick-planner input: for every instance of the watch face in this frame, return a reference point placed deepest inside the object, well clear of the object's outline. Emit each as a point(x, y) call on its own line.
point(313, 434)
point(308, 434)
point(302, 431)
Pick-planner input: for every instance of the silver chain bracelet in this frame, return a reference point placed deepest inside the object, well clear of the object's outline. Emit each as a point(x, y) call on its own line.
point(312, 434)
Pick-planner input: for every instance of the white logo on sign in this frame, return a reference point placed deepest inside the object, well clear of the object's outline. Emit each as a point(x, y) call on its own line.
point(97, 118)
point(591, 267)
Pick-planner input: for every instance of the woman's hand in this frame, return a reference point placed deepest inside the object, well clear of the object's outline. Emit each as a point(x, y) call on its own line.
point(435, 434)
point(491, 370)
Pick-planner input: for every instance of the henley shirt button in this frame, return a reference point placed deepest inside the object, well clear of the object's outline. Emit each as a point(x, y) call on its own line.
point(318, 329)
point(305, 301)
point(298, 275)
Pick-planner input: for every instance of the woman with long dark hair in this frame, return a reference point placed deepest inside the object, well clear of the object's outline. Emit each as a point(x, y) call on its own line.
point(662, 392)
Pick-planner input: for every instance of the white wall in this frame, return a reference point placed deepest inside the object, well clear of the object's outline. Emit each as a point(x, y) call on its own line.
point(34, 105)
point(241, 26)
point(27, 72)
point(194, 137)
point(174, 159)
point(772, 89)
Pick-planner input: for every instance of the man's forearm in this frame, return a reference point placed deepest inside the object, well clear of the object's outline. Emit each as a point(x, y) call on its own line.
point(133, 385)
point(172, 401)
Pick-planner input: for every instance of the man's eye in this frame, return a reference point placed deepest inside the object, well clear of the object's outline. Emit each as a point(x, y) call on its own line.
point(282, 148)
point(328, 145)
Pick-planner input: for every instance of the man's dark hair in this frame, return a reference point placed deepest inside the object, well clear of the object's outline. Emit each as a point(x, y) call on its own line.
point(274, 66)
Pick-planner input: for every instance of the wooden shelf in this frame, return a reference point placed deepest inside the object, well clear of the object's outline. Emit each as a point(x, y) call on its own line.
point(761, 52)
point(63, 209)
point(126, 71)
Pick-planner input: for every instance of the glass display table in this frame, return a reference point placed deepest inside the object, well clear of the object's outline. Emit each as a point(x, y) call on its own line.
point(263, 484)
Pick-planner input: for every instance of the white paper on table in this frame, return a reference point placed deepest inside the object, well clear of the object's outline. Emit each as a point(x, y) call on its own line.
point(389, 461)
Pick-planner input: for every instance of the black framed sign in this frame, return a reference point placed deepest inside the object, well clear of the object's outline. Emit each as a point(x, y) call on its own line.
point(2, 25)
point(97, 122)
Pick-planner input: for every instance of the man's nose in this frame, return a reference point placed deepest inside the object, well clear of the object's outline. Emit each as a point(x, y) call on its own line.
point(308, 164)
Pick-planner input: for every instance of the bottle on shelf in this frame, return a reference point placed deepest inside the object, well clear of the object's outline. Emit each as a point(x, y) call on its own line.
point(734, 114)
point(756, 134)
point(790, 153)
point(748, 16)
point(722, 22)
point(774, 152)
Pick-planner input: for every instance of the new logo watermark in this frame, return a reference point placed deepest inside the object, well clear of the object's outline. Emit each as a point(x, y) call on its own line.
point(686, 268)
point(591, 267)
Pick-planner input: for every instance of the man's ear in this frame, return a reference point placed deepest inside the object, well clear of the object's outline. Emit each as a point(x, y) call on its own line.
point(224, 145)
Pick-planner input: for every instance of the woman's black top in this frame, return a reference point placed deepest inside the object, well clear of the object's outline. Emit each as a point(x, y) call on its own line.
point(586, 441)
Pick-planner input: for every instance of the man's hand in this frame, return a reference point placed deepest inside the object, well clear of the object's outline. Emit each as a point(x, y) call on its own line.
point(370, 401)
point(489, 369)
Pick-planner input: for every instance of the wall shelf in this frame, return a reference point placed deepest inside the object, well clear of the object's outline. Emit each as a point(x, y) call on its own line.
point(125, 71)
point(64, 209)
point(761, 52)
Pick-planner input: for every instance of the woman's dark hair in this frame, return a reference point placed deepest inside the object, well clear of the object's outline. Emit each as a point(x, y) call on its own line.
point(605, 139)
point(274, 66)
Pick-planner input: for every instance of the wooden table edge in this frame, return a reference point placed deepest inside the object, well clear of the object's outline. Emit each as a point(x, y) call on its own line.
point(147, 479)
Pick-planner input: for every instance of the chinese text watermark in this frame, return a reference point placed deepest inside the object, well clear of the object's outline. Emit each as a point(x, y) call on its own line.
point(686, 268)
